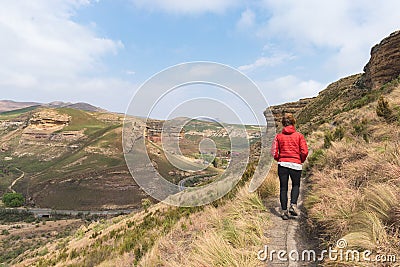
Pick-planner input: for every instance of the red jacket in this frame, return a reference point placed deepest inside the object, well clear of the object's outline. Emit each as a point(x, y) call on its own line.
point(289, 146)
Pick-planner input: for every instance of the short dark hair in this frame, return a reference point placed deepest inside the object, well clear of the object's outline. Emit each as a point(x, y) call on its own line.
point(288, 119)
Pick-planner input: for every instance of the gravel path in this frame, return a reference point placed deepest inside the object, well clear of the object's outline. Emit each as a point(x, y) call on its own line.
point(288, 235)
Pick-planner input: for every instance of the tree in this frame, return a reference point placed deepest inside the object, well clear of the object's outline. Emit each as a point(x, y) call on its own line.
point(13, 200)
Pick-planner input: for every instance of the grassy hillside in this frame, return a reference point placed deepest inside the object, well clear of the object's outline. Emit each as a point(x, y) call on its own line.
point(7, 115)
point(341, 96)
point(354, 171)
point(77, 164)
point(353, 176)
point(73, 159)
point(224, 233)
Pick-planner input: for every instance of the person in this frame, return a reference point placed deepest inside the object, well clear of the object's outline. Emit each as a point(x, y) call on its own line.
point(290, 150)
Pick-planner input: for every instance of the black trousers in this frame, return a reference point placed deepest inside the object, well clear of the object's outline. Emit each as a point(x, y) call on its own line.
point(284, 174)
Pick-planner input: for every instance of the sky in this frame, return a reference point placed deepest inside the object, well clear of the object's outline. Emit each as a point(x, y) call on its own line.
point(102, 51)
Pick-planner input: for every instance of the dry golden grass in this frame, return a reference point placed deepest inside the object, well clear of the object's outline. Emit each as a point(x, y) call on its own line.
point(270, 186)
point(86, 239)
point(225, 236)
point(355, 185)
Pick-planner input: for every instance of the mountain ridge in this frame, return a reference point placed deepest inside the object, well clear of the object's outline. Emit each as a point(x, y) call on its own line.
point(11, 105)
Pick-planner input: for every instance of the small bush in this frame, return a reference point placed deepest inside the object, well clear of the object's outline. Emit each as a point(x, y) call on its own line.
point(361, 129)
point(314, 158)
point(338, 134)
point(43, 252)
point(328, 139)
point(383, 110)
point(13, 200)
point(146, 203)
point(5, 232)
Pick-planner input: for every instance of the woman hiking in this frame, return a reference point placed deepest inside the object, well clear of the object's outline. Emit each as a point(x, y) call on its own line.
point(290, 150)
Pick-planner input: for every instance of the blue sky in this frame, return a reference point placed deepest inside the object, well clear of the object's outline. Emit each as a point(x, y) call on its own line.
point(100, 52)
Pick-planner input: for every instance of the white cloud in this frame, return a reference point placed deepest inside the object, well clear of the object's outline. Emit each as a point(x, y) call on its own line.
point(130, 72)
point(289, 88)
point(247, 20)
point(45, 53)
point(349, 27)
point(185, 6)
point(274, 60)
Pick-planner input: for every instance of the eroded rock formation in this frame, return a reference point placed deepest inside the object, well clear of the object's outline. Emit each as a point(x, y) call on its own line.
point(384, 65)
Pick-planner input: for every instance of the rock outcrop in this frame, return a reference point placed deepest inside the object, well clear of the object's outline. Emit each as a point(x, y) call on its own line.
point(384, 65)
point(292, 107)
point(47, 124)
point(47, 121)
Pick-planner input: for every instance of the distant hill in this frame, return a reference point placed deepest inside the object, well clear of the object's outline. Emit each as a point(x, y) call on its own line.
point(79, 105)
point(10, 105)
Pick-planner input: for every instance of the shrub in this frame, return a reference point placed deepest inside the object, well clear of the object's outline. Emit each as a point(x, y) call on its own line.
point(146, 203)
point(5, 232)
point(315, 158)
point(361, 129)
point(338, 134)
point(13, 200)
point(383, 110)
point(328, 139)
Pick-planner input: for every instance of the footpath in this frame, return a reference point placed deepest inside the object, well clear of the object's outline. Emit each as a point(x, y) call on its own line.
point(288, 235)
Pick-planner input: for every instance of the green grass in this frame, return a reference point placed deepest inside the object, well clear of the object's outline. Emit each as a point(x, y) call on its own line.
point(11, 216)
point(201, 126)
point(16, 113)
point(7, 179)
point(81, 120)
point(94, 161)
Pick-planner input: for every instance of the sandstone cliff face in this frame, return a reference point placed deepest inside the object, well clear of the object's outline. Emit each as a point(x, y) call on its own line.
point(42, 137)
point(384, 64)
point(43, 123)
point(292, 107)
point(383, 67)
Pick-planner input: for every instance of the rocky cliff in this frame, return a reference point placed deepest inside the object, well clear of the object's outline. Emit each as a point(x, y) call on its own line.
point(292, 107)
point(349, 92)
point(384, 64)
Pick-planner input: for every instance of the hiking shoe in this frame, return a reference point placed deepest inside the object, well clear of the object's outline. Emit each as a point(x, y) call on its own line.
point(293, 210)
point(285, 215)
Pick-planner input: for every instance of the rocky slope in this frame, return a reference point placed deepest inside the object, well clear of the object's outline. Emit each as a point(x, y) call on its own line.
point(353, 172)
point(292, 107)
point(384, 63)
point(350, 92)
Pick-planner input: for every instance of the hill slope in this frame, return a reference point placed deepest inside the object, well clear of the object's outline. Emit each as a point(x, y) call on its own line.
point(353, 174)
point(72, 159)
point(353, 184)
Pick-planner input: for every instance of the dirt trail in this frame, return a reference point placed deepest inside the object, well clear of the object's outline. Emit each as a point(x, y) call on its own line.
point(288, 235)
point(16, 180)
